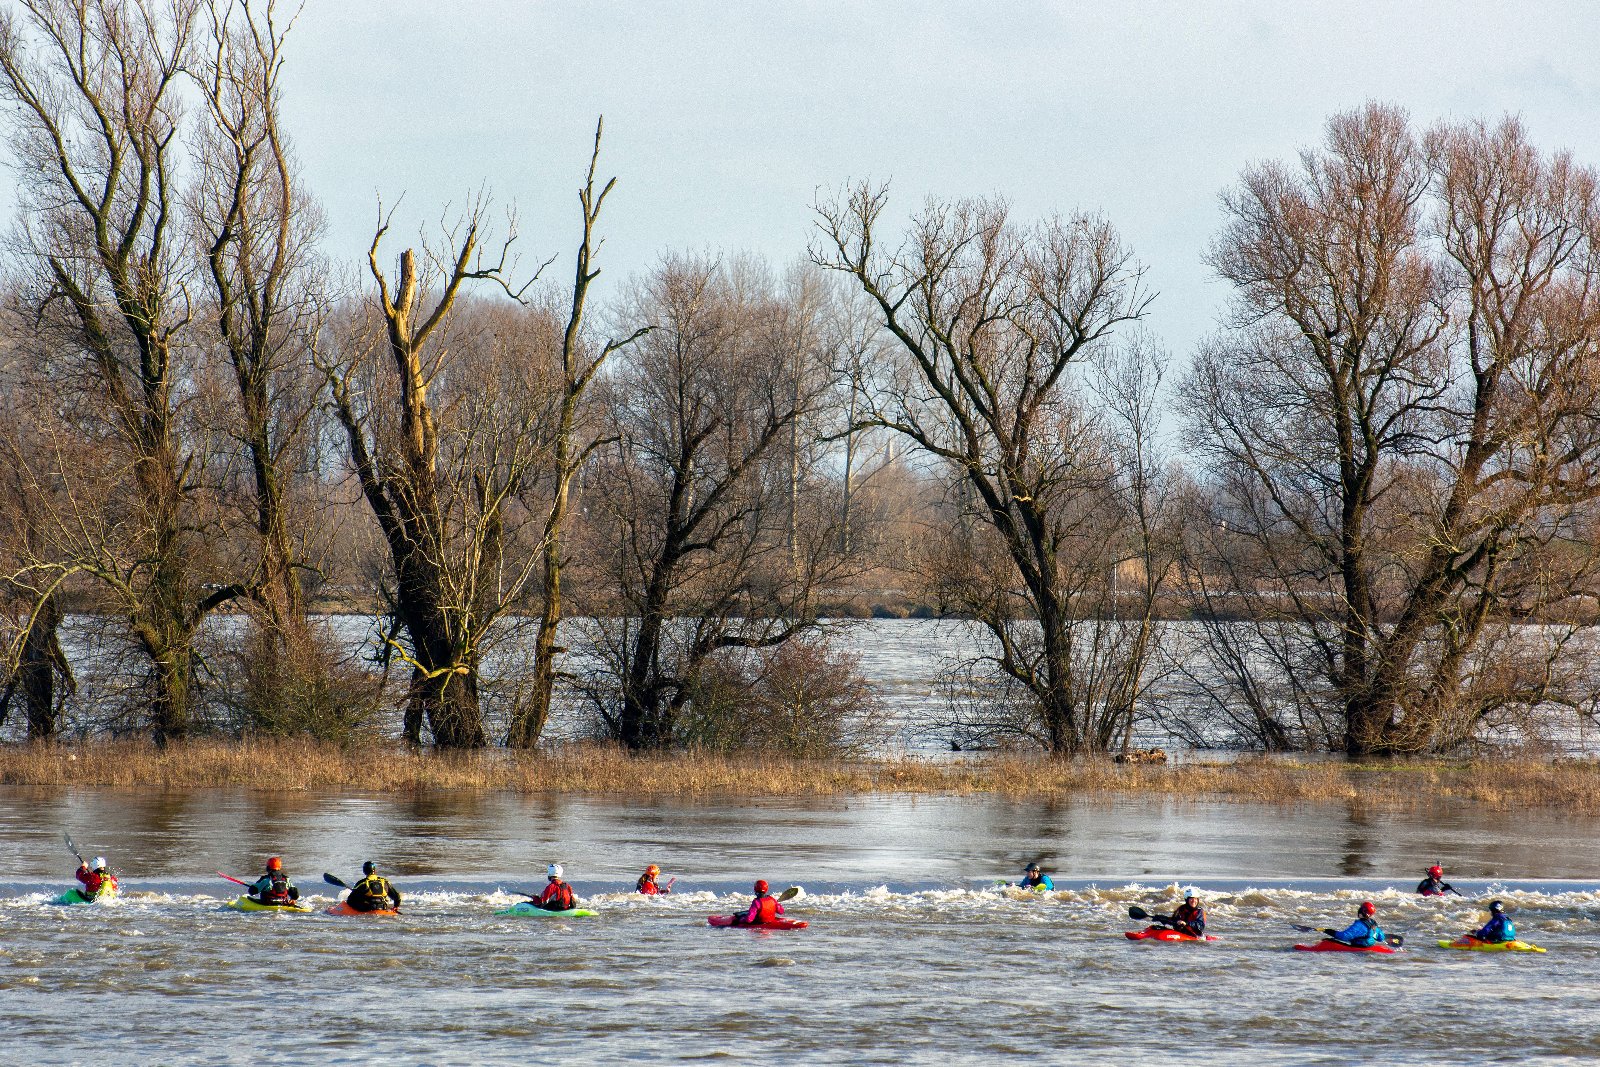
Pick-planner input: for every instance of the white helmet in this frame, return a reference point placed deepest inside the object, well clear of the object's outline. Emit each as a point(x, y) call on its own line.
point(554, 870)
point(1190, 891)
point(99, 863)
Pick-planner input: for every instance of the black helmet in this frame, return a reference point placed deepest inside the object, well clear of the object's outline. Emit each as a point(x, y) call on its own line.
point(1033, 867)
point(1496, 906)
point(368, 867)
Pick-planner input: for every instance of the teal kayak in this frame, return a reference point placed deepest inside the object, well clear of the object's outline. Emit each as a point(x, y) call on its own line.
point(528, 910)
point(77, 896)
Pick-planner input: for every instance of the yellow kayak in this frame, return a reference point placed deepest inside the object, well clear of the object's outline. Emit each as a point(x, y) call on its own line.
point(246, 904)
point(1472, 944)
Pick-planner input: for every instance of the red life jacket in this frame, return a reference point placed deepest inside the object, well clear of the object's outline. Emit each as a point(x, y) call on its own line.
point(768, 910)
point(647, 885)
point(94, 881)
point(557, 897)
point(278, 891)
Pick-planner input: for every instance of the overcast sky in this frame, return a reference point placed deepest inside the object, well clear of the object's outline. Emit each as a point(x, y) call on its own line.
point(723, 119)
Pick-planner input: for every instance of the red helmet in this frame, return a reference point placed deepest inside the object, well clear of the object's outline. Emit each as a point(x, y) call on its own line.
point(1436, 871)
point(1367, 908)
point(275, 864)
point(761, 885)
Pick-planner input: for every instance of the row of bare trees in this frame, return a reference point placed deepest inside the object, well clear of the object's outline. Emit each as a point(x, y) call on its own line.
point(1382, 531)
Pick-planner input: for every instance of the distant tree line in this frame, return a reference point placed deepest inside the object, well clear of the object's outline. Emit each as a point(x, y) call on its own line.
point(1362, 517)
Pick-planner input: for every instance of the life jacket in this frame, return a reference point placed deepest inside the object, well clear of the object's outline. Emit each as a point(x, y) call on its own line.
point(370, 894)
point(768, 909)
point(647, 885)
point(557, 897)
point(96, 882)
point(1192, 919)
point(278, 891)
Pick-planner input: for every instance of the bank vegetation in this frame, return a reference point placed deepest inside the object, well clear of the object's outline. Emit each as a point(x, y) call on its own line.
point(1372, 494)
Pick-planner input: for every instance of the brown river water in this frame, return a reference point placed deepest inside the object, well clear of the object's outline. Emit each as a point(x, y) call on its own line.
point(913, 955)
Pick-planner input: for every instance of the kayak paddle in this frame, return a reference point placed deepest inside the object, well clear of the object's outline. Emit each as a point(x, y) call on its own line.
point(73, 848)
point(235, 881)
point(1136, 912)
point(331, 880)
point(791, 893)
point(668, 887)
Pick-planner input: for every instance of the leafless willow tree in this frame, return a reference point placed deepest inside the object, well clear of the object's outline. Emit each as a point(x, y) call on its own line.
point(1402, 431)
point(441, 449)
point(699, 524)
point(96, 124)
point(573, 441)
point(991, 319)
point(256, 229)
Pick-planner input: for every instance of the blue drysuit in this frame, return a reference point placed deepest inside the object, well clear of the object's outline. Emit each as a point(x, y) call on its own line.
point(1361, 932)
point(1029, 882)
point(1498, 928)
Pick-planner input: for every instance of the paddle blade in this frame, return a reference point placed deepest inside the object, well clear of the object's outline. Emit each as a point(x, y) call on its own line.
point(1136, 912)
point(1397, 940)
point(1304, 929)
point(331, 880)
point(72, 847)
point(794, 892)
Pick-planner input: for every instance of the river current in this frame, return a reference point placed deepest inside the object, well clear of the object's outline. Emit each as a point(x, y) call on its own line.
point(913, 954)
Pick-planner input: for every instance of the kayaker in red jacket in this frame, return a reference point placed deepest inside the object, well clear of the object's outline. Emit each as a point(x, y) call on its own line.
point(647, 883)
point(95, 878)
point(558, 894)
point(763, 909)
point(1189, 917)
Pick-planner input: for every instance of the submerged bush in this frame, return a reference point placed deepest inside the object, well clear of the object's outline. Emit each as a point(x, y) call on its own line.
point(803, 698)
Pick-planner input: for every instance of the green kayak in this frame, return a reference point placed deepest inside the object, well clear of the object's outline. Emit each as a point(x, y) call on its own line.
point(528, 910)
point(77, 896)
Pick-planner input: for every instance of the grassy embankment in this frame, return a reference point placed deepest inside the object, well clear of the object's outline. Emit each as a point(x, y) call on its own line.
point(306, 766)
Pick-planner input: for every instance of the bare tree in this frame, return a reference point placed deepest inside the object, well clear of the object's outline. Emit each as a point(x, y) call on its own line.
point(440, 488)
point(96, 124)
point(581, 361)
point(990, 318)
point(692, 492)
point(1401, 426)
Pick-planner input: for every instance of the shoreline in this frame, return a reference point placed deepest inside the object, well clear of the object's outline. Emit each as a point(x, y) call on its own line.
point(294, 766)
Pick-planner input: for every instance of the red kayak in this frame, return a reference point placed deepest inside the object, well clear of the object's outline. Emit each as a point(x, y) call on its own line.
point(775, 924)
point(1330, 945)
point(342, 908)
point(1161, 933)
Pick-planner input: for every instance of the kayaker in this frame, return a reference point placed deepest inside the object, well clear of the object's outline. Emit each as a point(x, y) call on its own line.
point(1498, 928)
point(647, 883)
point(1189, 917)
point(763, 909)
point(558, 894)
point(1033, 878)
point(96, 878)
point(274, 887)
point(1434, 885)
point(373, 892)
point(1362, 933)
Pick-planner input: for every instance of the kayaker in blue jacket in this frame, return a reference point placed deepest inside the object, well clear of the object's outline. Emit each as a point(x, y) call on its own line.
point(1364, 932)
point(1498, 928)
point(1033, 878)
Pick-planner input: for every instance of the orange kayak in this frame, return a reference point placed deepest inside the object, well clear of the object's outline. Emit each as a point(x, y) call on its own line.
point(342, 908)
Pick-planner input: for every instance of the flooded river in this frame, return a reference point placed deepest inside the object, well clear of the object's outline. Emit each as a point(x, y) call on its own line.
point(912, 955)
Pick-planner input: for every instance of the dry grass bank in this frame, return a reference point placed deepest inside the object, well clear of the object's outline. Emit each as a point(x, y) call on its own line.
point(312, 767)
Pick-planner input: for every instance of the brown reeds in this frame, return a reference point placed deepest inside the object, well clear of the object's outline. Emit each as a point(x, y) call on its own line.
point(308, 766)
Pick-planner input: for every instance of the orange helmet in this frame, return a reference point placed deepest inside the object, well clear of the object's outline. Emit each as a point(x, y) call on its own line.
point(275, 864)
point(652, 869)
point(761, 885)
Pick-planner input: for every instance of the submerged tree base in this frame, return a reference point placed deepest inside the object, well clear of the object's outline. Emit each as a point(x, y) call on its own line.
point(289, 765)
